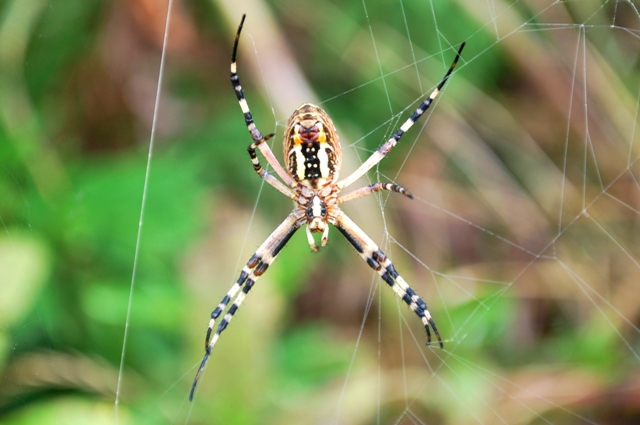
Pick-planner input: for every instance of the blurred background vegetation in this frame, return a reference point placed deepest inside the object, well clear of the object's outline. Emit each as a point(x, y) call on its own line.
point(523, 237)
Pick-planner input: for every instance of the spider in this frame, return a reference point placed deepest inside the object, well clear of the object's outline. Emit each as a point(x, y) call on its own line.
point(312, 165)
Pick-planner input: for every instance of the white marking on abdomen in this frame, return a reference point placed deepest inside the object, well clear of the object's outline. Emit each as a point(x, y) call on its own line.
point(300, 167)
point(323, 158)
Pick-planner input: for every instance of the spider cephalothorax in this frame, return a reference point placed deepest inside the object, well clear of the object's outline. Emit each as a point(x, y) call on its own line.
point(312, 158)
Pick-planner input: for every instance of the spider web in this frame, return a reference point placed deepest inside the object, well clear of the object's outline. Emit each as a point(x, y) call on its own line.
point(515, 208)
point(521, 237)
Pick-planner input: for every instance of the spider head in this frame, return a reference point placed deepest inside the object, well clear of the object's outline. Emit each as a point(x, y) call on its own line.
point(311, 146)
point(316, 214)
point(317, 221)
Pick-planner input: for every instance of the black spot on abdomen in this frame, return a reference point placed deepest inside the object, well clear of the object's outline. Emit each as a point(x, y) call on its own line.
point(311, 161)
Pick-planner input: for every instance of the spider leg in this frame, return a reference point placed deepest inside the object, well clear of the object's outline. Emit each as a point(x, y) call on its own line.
point(383, 150)
point(257, 265)
point(264, 173)
point(375, 187)
point(377, 260)
point(258, 139)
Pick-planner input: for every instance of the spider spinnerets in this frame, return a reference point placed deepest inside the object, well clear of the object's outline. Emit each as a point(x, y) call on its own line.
point(312, 158)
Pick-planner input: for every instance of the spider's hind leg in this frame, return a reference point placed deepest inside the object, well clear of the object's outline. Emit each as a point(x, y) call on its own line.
point(258, 139)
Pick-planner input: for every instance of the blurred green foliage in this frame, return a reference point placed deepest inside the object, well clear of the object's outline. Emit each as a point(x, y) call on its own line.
point(77, 92)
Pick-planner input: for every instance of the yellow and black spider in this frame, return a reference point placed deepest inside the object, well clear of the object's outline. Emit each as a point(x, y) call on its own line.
point(312, 159)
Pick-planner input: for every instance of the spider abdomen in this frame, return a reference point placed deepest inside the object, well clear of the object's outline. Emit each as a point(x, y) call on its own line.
point(312, 161)
point(311, 146)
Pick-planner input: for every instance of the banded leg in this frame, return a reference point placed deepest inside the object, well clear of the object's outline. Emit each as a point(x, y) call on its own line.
point(264, 173)
point(375, 187)
point(258, 139)
point(257, 265)
point(389, 144)
point(377, 260)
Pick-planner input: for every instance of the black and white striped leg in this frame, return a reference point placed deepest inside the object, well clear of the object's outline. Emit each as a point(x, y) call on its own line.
point(375, 187)
point(256, 135)
point(257, 265)
point(264, 173)
point(378, 261)
point(389, 144)
point(237, 88)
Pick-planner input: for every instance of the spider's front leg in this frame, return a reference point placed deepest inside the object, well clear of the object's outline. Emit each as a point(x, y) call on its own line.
point(377, 260)
point(257, 265)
